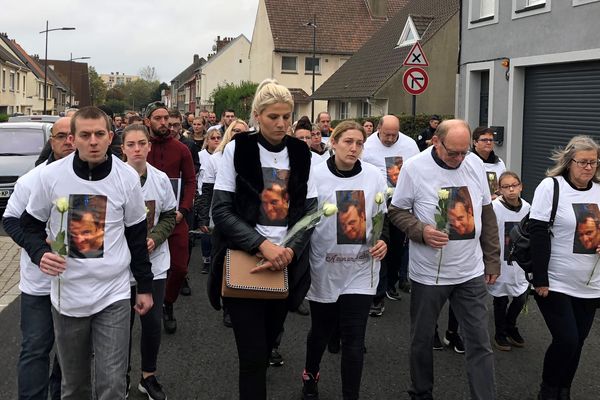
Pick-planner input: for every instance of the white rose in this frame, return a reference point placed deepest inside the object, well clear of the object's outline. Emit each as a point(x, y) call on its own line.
point(329, 209)
point(443, 194)
point(379, 198)
point(62, 204)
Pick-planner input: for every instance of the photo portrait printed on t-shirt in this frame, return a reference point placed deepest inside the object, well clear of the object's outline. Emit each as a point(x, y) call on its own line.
point(587, 231)
point(492, 180)
point(460, 214)
point(274, 197)
point(351, 217)
point(150, 209)
point(393, 165)
point(508, 226)
point(86, 221)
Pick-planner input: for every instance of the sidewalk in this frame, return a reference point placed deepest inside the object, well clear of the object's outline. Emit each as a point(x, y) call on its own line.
point(9, 271)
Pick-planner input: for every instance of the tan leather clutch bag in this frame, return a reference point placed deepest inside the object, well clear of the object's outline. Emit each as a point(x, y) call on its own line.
point(239, 282)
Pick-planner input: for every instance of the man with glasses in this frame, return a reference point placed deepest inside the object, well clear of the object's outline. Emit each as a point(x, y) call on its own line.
point(388, 149)
point(483, 146)
point(174, 159)
point(37, 330)
point(445, 268)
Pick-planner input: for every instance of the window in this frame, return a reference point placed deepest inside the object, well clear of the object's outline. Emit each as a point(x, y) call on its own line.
point(483, 12)
point(582, 2)
point(487, 8)
point(11, 82)
point(18, 81)
point(3, 80)
point(344, 109)
point(409, 34)
point(23, 85)
point(308, 65)
point(484, 98)
point(525, 8)
point(365, 109)
point(288, 64)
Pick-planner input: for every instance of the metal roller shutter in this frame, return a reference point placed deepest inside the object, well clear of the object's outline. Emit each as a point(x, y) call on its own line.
point(561, 101)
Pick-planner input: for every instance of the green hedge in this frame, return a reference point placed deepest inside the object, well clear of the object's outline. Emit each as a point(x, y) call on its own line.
point(407, 126)
point(3, 117)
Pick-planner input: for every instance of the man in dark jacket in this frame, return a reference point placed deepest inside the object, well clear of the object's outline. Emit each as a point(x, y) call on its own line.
point(424, 138)
point(174, 159)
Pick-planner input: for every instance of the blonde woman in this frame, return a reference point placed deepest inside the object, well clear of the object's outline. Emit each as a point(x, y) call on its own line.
point(252, 164)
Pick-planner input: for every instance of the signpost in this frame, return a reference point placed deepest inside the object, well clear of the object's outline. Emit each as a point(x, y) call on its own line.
point(415, 78)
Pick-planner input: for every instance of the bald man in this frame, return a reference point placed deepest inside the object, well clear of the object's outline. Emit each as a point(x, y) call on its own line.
point(388, 149)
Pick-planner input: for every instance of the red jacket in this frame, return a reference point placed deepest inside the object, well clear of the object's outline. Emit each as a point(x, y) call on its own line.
point(174, 159)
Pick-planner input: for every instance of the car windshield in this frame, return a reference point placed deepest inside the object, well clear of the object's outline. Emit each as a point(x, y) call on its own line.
point(21, 141)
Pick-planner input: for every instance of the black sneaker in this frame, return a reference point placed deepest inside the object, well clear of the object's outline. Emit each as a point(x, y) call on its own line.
point(169, 320)
point(437, 343)
point(393, 294)
point(514, 337)
point(377, 309)
point(303, 310)
point(453, 339)
point(501, 343)
point(227, 319)
point(404, 286)
point(185, 288)
point(152, 388)
point(275, 359)
point(205, 269)
point(310, 388)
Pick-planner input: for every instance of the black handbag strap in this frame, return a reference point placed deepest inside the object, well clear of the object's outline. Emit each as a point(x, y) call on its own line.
point(554, 203)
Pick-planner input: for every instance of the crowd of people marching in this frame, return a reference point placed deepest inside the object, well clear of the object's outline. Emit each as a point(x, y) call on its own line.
point(117, 203)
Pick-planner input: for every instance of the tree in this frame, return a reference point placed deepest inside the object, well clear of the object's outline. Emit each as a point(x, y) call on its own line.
point(115, 93)
point(97, 87)
point(236, 97)
point(148, 73)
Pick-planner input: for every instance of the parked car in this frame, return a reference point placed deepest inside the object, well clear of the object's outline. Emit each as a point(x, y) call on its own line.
point(34, 118)
point(20, 145)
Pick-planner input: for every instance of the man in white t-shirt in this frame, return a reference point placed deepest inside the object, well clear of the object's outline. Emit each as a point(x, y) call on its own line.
point(90, 297)
point(388, 149)
point(446, 266)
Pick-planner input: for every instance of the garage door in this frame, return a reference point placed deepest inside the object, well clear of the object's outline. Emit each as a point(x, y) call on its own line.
point(561, 101)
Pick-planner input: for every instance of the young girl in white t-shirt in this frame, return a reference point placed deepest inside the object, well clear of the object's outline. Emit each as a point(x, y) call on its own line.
point(509, 209)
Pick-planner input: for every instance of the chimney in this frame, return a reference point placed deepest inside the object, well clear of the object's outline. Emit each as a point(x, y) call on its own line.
point(196, 59)
point(378, 8)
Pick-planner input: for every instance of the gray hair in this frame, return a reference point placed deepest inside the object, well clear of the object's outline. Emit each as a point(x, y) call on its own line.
point(562, 157)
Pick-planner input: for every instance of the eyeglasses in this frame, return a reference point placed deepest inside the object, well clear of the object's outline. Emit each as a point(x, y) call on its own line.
point(454, 154)
point(215, 138)
point(585, 163)
point(507, 187)
point(485, 140)
point(60, 136)
point(174, 126)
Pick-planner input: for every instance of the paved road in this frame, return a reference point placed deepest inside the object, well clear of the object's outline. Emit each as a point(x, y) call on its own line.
point(199, 361)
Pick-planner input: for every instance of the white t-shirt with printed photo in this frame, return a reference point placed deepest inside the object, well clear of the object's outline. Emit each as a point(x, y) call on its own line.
point(420, 180)
point(204, 157)
point(389, 160)
point(99, 277)
point(493, 172)
point(32, 280)
point(340, 262)
point(159, 197)
point(572, 256)
point(511, 281)
point(272, 222)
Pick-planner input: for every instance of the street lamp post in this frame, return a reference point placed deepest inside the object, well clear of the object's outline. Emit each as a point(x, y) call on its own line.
point(71, 74)
point(313, 24)
point(46, 60)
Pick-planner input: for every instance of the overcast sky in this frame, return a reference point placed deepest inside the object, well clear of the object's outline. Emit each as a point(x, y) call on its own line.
point(126, 35)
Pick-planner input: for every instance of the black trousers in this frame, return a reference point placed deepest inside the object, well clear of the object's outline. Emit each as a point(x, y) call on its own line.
point(569, 320)
point(390, 271)
point(505, 315)
point(256, 325)
point(350, 313)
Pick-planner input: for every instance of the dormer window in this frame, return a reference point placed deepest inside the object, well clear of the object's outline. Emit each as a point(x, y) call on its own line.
point(409, 34)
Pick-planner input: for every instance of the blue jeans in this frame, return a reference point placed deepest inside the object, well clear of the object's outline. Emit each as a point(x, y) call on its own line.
point(37, 334)
point(106, 335)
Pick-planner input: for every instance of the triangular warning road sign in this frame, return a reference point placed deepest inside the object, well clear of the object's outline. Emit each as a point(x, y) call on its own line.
point(416, 57)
